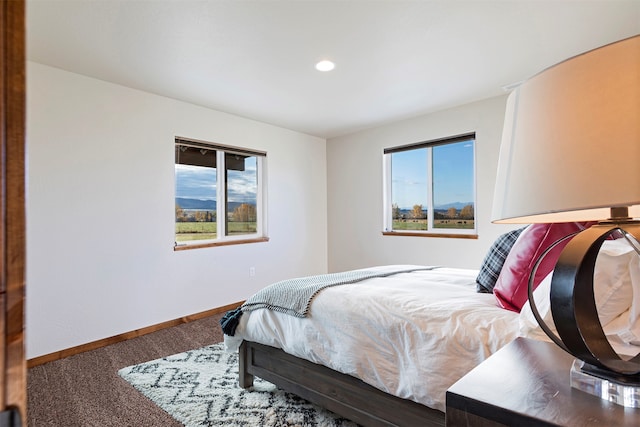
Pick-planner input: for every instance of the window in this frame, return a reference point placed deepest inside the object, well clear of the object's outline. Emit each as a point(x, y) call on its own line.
point(219, 194)
point(430, 188)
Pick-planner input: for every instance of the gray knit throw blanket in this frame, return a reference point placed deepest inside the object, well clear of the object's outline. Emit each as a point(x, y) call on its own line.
point(294, 296)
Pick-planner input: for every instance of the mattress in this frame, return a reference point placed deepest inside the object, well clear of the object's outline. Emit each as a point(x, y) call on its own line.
point(411, 335)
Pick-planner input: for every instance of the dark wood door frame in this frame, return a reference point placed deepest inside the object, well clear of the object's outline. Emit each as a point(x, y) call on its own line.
point(13, 378)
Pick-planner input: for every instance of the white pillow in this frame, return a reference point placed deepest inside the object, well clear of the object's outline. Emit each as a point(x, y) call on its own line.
point(612, 285)
point(612, 279)
point(529, 326)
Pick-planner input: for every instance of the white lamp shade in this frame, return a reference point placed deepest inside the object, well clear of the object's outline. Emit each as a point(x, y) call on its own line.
point(571, 140)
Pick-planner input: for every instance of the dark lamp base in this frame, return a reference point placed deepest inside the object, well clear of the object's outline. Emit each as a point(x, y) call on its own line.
point(573, 303)
point(620, 389)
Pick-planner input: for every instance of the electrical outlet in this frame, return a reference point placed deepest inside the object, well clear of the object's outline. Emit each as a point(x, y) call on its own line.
point(252, 271)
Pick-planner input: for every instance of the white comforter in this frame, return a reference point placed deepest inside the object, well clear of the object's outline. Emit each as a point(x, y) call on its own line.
point(411, 335)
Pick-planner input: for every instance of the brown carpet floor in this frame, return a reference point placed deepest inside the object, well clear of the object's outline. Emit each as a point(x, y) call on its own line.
point(86, 390)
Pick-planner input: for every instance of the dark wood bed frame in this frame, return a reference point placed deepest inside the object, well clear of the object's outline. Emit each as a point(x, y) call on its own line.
point(345, 395)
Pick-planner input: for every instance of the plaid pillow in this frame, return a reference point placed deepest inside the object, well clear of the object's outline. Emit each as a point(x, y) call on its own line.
point(494, 260)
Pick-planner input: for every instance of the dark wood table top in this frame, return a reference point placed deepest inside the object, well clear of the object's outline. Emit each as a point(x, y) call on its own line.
point(527, 383)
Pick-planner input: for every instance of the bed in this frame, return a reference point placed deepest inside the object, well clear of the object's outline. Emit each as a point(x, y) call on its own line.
point(356, 362)
point(383, 350)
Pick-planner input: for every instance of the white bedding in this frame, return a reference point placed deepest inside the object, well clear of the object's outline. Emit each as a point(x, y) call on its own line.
point(365, 330)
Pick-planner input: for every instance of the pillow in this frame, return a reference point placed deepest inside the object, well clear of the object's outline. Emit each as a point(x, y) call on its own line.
point(494, 260)
point(612, 282)
point(612, 288)
point(511, 287)
point(529, 326)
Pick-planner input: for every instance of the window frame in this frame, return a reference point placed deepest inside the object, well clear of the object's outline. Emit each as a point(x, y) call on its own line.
point(260, 235)
point(387, 225)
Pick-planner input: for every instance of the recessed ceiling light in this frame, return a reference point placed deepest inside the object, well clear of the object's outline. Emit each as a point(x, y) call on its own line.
point(325, 66)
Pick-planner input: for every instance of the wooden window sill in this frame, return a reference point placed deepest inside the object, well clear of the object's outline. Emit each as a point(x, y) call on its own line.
point(222, 243)
point(413, 234)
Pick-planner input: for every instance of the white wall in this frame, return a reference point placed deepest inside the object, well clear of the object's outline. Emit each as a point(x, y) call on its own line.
point(100, 211)
point(355, 191)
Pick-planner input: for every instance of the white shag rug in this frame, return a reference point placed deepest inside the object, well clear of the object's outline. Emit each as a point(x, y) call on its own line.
point(200, 388)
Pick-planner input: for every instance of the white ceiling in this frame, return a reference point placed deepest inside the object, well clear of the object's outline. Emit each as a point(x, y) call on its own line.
point(394, 59)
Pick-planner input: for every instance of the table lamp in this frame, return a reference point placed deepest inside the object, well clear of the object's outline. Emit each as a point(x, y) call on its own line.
point(571, 152)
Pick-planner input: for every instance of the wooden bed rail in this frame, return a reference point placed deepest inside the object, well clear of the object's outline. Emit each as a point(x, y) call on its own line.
point(342, 394)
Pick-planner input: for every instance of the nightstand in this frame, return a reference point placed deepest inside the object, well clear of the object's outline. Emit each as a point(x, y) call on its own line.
point(526, 383)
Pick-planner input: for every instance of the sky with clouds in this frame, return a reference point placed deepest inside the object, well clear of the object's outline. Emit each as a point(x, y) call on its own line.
point(453, 175)
point(197, 182)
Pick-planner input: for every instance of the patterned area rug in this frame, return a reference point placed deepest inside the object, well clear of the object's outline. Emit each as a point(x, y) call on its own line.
point(200, 388)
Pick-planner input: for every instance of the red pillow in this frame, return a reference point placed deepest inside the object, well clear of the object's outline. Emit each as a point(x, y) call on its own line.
point(511, 287)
